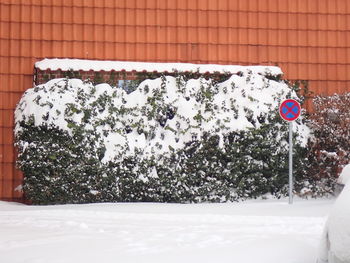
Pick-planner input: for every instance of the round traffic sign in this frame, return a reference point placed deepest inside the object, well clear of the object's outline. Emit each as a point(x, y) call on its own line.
point(290, 110)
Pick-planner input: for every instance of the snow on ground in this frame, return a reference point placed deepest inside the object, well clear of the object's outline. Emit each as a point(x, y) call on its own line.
point(255, 231)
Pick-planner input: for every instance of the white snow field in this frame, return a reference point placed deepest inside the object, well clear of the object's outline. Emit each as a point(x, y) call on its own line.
point(248, 232)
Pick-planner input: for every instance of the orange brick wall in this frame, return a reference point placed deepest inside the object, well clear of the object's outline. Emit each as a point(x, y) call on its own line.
point(308, 39)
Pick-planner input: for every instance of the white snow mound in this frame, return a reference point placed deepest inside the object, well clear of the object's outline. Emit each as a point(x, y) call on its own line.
point(345, 175)
point(335, 243)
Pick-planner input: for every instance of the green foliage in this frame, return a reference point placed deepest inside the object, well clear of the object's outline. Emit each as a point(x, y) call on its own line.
point(60, 168)
point(217, 77)
point(70, 74)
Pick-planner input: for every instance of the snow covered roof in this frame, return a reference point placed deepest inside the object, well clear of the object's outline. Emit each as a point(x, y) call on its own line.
point(102, 65)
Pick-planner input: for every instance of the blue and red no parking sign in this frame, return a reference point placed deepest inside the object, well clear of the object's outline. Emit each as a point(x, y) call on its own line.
point(290, 110)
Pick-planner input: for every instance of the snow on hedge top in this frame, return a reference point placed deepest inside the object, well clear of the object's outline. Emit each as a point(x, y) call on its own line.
point(160, 115)
point(98, 65)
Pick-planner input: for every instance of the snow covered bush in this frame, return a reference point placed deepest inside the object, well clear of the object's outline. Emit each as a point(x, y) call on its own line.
point(329, 145)
point(173, 139)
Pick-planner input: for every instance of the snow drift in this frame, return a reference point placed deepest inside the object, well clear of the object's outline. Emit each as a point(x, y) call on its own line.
point(335, 243)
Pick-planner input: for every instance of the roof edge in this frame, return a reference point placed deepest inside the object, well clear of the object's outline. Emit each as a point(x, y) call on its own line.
point(66, 64)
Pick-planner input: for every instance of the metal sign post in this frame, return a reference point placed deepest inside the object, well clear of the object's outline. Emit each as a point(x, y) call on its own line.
point(290, 162)
point(290, 111)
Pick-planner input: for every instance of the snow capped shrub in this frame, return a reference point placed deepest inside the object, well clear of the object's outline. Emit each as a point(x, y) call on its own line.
point(329, 144)
point(173, 139)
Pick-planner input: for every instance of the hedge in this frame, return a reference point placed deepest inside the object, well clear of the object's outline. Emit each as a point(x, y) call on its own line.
point(173, 139)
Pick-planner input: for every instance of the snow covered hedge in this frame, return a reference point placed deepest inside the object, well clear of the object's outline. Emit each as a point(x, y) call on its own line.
point(171, 140)
point(330, 144)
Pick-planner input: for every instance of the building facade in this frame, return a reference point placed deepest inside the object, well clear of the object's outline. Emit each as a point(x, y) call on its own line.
point(308, 39)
